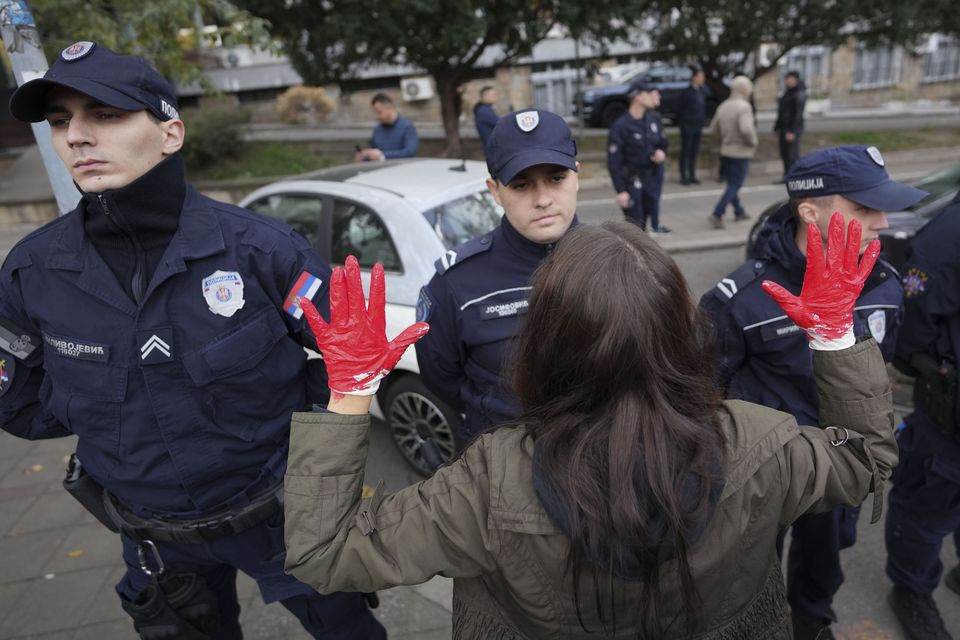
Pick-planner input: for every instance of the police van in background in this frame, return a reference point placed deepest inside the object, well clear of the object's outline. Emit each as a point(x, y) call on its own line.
point(405, 214)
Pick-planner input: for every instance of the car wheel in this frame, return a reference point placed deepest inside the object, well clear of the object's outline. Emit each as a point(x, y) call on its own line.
point(755, 230)
point(611, 112)
point(414, 415)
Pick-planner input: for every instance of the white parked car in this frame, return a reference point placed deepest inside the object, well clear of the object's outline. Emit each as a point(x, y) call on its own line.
point(404, 214)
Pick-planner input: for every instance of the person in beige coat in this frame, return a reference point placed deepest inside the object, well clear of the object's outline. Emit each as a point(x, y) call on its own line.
point(738, 142)
point(628, 501)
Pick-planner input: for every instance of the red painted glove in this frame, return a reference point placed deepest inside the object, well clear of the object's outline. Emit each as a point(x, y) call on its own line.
point(824, 309)
point(354, 345)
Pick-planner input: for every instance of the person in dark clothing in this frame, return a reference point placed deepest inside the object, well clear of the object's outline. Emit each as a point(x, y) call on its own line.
point(691, 117)
point(394, 137)
point(484, 115)
point(762, 357)
point(636, 153)
point(924, 501)
point(789, 124)
point(163, 329)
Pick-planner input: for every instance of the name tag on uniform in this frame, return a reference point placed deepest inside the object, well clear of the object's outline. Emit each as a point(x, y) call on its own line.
point(78, 349)
point(777, 330)
point(503, 309)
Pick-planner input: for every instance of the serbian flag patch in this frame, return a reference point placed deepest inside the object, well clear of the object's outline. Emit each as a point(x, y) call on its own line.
point(306, 286)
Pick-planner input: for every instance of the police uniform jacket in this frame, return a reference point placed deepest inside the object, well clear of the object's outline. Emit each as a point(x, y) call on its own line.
point(761, 355)
point(180, 402)
point(931, 324)
point(479, 520)
point(630, 144)
point(474, 304)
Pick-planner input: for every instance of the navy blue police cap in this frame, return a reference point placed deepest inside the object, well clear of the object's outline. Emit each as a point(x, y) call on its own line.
point(526, 138)
point(122, 82)
point(855, 172)
point(642, 84)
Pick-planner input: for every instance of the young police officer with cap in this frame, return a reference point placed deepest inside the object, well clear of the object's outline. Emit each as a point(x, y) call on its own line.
point(763, 357)
point(480, 290)
point(636, 151)
point(924, 505)
point(164, 330)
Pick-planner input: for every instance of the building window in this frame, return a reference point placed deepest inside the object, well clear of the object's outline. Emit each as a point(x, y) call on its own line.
point(942, 60)
point(876, 68)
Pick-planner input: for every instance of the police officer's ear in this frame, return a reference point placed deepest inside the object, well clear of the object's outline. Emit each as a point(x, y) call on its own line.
point(174, 132)
point(808, 212)
point(493, 186)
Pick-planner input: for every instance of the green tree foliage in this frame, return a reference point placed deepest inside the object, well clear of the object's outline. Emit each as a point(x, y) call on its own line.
point(150, 29)
point(330, 40)
point(721, 34)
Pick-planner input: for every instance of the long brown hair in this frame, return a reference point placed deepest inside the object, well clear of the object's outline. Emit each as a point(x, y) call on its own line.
point(613, 371)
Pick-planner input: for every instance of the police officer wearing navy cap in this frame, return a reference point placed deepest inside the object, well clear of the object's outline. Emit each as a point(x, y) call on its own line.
point(924, 503)
point(163, 329)
point(763, 357)
point(636, 152)
point(476, 299)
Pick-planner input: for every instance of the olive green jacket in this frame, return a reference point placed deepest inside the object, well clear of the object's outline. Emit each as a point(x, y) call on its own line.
point(478, 520)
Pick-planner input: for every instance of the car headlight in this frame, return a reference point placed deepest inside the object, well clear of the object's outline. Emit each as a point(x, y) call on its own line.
point(589, 96)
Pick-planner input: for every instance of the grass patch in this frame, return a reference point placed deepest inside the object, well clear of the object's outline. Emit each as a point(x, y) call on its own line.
point(263, 160)
point(897, 140)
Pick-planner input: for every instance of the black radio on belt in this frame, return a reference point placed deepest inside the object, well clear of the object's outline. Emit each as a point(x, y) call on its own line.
point(936, 391)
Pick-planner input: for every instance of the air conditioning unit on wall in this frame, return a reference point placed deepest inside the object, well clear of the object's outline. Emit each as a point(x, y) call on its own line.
point(414, 89)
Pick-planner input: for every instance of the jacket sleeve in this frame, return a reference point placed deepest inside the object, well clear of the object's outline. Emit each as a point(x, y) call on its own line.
point(21, 412)
point(411, 144)
point(615, 158)
point(440, 353)
point(854, 451)
point(336, 543)
point(662, 142)
point(927, 310)
point(729, 347)
point(796, 115)
point(747, 128)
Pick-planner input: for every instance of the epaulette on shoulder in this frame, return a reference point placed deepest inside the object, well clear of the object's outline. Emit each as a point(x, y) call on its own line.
point(467, 250)
point(730, 286)
point(889, 267)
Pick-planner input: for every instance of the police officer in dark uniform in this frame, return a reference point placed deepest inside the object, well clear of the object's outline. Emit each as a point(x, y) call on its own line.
point(763, 357)
point(475, 301)
point(691, 116)
point(164, 330)
point(636, 153)
point(924, 504)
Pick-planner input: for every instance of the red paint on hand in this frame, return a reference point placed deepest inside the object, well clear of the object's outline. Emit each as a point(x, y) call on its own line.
point(830, 290)
point(354, 344)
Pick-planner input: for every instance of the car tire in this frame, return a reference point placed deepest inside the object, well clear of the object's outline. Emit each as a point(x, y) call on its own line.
point(413, 414)
point(611, 112)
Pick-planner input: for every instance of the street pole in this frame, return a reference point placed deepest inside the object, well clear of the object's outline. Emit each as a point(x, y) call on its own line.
point(22, 41)
point(579, 85)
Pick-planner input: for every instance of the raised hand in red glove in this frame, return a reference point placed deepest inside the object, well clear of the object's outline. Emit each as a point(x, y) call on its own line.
point(824, 309)
point(354, 345)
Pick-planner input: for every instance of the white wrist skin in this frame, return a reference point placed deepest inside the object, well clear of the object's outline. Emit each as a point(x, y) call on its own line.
point(845, 341)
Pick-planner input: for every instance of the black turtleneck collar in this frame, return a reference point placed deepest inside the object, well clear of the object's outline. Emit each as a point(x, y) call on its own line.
point(148, 208)
point(524, 247)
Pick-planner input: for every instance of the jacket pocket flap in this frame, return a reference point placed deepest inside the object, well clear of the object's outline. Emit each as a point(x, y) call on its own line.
point(238, 350)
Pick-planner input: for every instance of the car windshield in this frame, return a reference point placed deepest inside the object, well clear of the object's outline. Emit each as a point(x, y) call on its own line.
point(940, 184)
point(464, 218)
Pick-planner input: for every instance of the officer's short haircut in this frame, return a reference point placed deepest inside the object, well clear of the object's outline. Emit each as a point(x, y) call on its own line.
point(484, 89)
point(381, 98)
point(793, 73)
point(821, 202)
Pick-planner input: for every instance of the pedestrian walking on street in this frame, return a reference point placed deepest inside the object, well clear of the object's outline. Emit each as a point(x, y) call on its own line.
point(394, 137)
point(636, 153)
point(762, 356)
point(692, 117)
point(621, 501)
point(164, 330)
point(789, 123)
point(924, 503)
point(734, 121)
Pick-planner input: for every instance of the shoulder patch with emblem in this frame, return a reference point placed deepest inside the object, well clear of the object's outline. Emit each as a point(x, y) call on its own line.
point(730, 286)
point(914, 282)
point(424, 305)
point(467, 250)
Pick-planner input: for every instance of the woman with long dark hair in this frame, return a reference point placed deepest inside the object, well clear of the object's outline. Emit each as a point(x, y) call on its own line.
point(629, 500)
